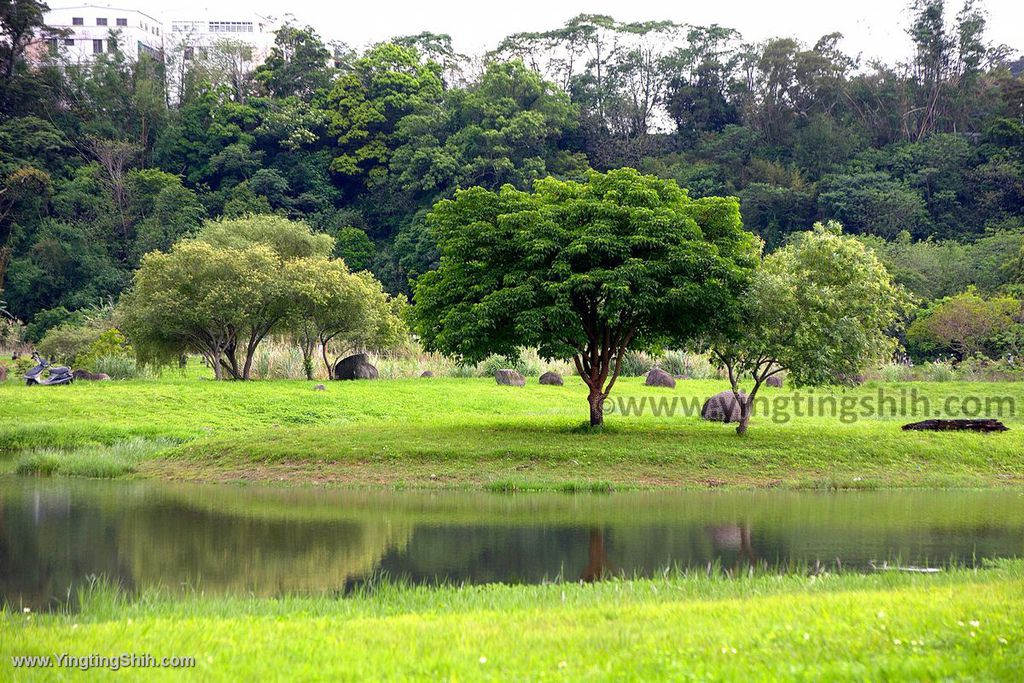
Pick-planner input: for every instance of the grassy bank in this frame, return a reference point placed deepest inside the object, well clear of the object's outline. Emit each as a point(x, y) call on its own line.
point(471, 432)
point(956, 624)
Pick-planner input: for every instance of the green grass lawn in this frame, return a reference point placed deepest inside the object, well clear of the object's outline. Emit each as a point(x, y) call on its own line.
point(959, 624)
point(471, 432)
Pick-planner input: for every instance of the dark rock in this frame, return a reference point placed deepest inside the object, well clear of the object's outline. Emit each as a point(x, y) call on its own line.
point(659, 378)
point(319, 387)
point(773, 381)
point(89, 376)
point(722, 407)
point(509, 378)
point(552, 379)
point(426, 373)
point(357, 366)
point(986, 425)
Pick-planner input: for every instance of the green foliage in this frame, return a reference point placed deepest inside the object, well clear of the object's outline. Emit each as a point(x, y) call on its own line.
point(108, 347)
point(297, 64)
point(287, 239)
point(821, 308)
point(366, 103)
point(355, 247)
point(585, 271)
point(967, 324)
point(68, 342)
point(106, 160)
point(934, 269)
point(221, 292)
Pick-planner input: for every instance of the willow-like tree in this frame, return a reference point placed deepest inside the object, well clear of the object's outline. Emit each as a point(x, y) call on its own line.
point(583, 271)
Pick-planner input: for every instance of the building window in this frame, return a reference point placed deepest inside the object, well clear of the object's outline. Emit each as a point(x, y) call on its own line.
point(52, 43)
point(111, 45)
point(97, 46)
point(101, 21)
point(122, 22)
point(230, 27)
point(70, 42)
point(77, 21)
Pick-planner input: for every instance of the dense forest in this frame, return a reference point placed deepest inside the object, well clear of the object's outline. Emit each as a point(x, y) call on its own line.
point(105, 161)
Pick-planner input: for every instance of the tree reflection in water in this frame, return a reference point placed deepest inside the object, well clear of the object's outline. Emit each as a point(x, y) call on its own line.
point(597, 562)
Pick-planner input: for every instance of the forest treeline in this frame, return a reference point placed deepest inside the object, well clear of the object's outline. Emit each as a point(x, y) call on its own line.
point(104, 161)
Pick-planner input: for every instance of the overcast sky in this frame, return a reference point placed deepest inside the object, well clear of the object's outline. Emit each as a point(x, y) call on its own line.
point(873, 28)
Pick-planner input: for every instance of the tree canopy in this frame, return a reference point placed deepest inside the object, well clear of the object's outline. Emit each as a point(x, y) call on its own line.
point(581, 270)
point(820, 309)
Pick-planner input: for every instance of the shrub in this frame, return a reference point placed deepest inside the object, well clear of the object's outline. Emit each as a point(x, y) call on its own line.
point(66, 342)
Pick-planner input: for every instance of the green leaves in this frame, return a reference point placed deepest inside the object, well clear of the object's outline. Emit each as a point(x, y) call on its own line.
point(821, 308)
point(620, 255)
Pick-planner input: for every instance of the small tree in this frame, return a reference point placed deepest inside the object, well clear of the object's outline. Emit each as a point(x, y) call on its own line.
point(332, 306)
point(203, 299)
point(819, 308)
point(583, 271)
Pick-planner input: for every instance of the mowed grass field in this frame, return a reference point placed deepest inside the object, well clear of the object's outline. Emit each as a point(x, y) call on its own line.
point(956, 625)
point(472, 432)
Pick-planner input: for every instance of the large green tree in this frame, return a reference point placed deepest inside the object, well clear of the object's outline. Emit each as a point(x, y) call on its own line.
point(582, 270)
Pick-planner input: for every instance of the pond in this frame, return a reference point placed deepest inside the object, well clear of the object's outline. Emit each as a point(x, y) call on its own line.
point(55, 534)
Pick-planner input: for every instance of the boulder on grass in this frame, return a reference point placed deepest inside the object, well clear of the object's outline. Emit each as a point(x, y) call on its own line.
point(773, 381)
point(659, 378)
point(357, 366)
point(722, 407)
point(319, 387)
point(426, 373)
point(89, 376)
point(552, 379)
point(509, 378)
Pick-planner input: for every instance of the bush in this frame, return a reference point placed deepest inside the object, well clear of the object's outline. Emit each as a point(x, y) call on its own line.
point(66, 342)
point(113, 347)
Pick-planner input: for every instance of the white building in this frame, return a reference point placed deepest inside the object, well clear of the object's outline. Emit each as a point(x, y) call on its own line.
point(192, 35)
point(90, 29)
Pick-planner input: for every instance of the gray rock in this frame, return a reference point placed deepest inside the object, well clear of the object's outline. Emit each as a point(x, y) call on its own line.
point(552, 379)
point(509, 378)
point(357, 366)
point(319, 387)
point(426, 373)
point(722, 407)
point(773, 381)
point(87, 376)
point(659, 378)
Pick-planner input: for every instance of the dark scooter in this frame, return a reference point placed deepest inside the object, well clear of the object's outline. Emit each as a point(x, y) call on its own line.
point(58, 374)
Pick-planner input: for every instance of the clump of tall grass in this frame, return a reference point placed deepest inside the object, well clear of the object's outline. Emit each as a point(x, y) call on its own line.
point(96, 461)
point(118, 367)
point(675, 362)
point(978, 369)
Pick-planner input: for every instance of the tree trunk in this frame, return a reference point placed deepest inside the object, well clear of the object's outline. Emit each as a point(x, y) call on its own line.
point(327, 361)
point(745, 406)
point(596, 401)
point(247, 366)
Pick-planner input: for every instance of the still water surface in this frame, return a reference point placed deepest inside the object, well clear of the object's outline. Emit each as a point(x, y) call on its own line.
point(55, 534)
